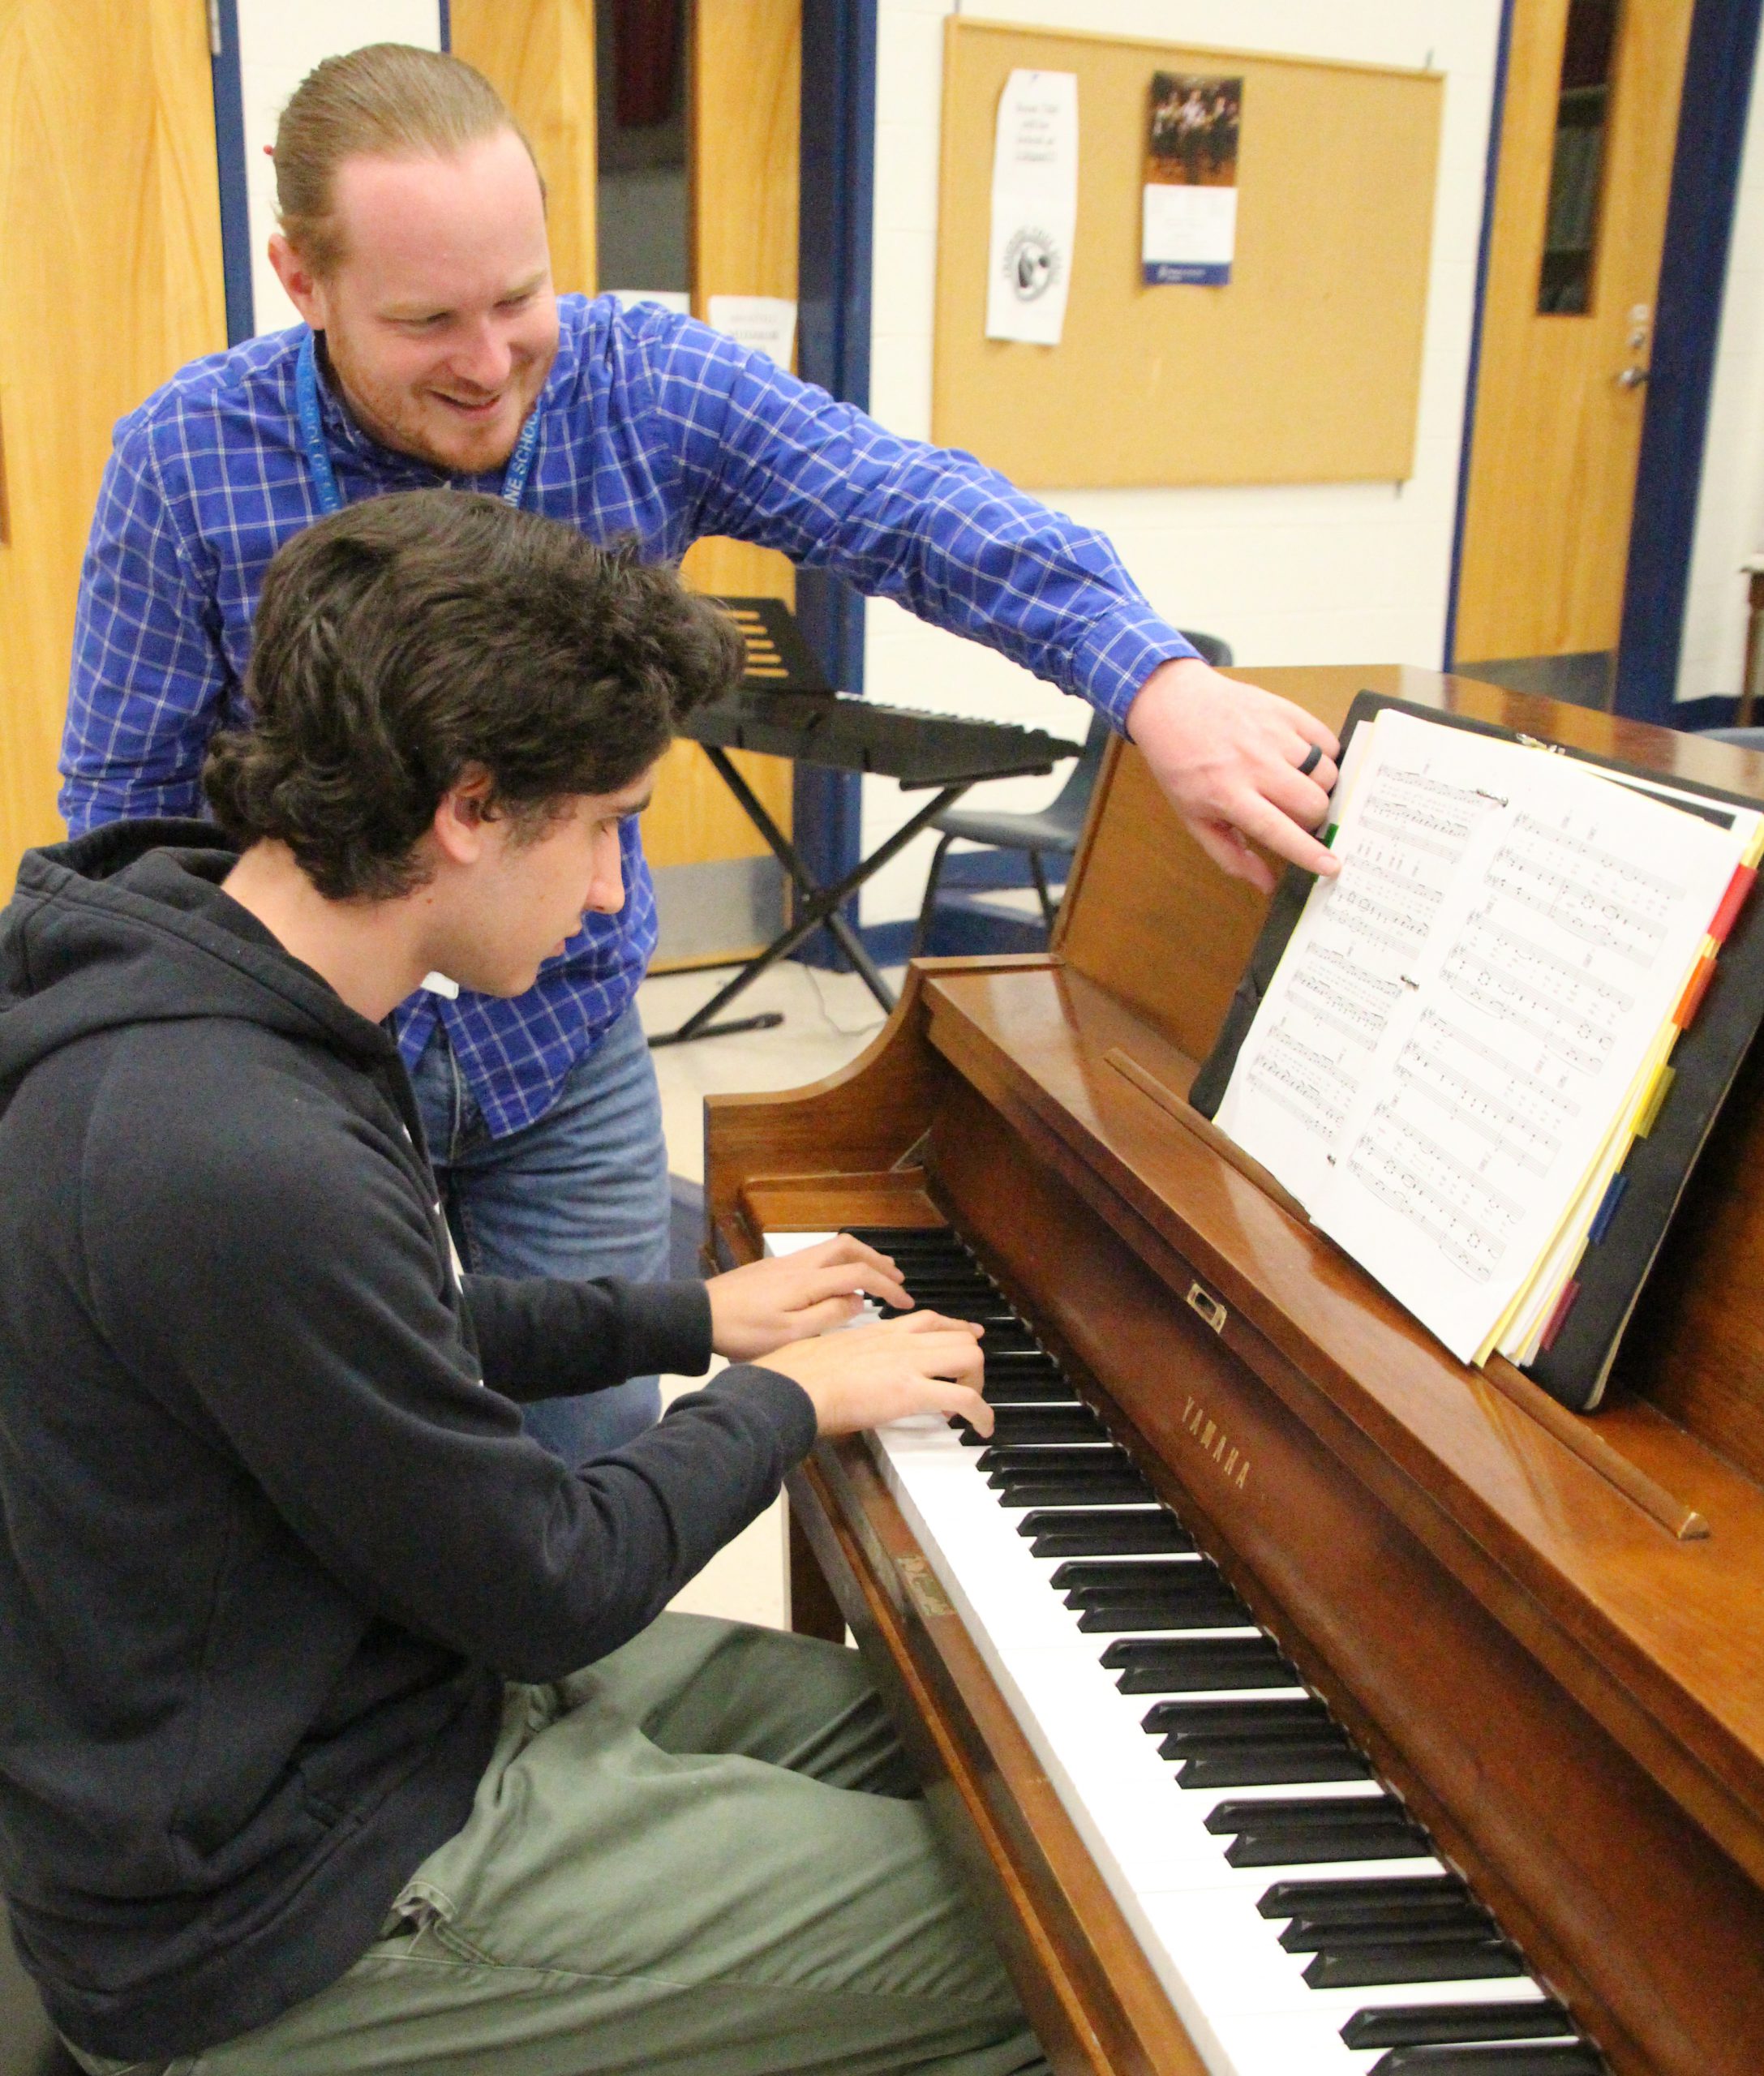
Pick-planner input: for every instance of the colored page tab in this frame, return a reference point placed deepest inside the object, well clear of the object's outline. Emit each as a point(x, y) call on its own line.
point(1745, 878)
point(1656, 1096)
point(1695, 989)
point(1559, 1317)
point(1607, 1210)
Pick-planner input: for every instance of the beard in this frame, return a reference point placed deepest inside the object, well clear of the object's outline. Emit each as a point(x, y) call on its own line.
point(410, 417)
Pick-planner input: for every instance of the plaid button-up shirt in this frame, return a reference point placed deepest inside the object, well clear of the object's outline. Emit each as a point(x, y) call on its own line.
point(649, 424)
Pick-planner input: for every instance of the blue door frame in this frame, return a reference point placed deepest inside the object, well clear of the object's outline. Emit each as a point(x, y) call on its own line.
point(1693, 274)
point(839, 181)
point(229, 156)
point(1699, 225)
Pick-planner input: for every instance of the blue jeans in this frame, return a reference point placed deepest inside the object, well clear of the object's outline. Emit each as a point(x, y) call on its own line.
point(581, 1192)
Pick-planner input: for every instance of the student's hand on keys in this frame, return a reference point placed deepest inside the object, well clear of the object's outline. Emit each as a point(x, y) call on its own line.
point(1228, 756)
point(758, 1308)
point(923, 1363)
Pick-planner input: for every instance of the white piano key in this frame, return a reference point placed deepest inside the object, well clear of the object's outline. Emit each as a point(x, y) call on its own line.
point(793, 1243)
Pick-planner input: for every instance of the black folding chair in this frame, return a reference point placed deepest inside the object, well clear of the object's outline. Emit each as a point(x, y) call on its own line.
point(1055, 830)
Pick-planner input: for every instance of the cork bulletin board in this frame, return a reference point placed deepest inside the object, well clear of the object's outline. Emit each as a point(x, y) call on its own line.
point(1306, 367)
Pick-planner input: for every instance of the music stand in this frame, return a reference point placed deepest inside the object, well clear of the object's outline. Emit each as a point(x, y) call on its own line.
point(785, 707)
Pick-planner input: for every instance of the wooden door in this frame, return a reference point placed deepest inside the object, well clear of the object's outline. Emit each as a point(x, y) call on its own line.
point(539, 56)
point(745, 119)
point(1580, 217)
point(109, 280)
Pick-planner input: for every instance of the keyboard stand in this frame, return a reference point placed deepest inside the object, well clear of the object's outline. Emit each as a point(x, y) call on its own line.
point(817, 908)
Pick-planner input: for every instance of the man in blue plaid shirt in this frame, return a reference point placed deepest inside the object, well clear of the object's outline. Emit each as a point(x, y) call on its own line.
point(434, 351)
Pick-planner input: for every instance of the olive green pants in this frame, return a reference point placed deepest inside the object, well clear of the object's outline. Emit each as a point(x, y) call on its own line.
point(704, 1853)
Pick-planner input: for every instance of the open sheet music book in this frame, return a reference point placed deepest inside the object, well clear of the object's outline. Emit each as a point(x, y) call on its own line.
point(1454, 1050)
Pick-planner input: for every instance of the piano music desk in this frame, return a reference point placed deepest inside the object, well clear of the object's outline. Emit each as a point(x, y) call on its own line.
point(1567, 1694)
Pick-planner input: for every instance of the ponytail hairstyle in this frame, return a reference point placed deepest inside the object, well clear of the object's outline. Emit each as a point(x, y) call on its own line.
point(411, 642)
point(389, 101)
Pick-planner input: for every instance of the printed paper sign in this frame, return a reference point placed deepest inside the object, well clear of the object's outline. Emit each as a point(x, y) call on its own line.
point(1189, 233)
point(768, 322)
point(1034, 207)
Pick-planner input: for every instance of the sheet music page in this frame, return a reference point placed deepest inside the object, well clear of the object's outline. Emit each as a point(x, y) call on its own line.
point(1459, 1017)
point(1404, 824)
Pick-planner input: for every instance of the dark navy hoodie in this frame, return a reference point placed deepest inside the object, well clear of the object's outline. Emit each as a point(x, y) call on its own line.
point(271, 1537)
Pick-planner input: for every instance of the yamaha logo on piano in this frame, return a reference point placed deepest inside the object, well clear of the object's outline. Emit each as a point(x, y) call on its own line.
point(1216, 1443)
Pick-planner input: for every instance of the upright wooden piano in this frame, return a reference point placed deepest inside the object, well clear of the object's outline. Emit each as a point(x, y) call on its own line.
point(1542, 1635)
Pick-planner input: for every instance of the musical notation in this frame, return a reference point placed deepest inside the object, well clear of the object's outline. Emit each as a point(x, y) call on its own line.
point(1573, 1014)
point(1344, 996)
point(1305, 1084)
point(1594, 895)
point(1457, 1212)
point(1422, 812)
point(1348, 967)
point(1518, 1115)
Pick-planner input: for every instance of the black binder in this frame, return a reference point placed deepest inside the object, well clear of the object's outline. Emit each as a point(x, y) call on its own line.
point(1660, 1172)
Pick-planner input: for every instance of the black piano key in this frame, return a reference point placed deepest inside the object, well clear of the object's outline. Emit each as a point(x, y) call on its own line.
point(1447, 1913)
point(1316, 1812)
point(1026, 1388)
point(1325, 1742)
point(1023, 1362)
point(1130, 1533)
point(1150, 1665)
point(961, 1301)
point(1210, 1601)
point(1004, 1337)
point(1304, 1831)
point(1234, 1762)
point(1300, 1714)
point(1036, 1426)
point(1126, 1614)
point(902, 1240)
point(1543, 2058)
point(1348, 1962)
point(1461, 1916)
point(999, 1321)
point(1349, 1900)
point(1453, 2024)
point(1135, 1576)
point(1115, 1486)
point(1080, 1460)
point(1272, 1844)
point(931, 1272)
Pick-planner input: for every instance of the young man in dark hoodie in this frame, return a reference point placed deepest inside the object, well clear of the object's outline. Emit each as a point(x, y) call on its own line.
point(341, 1727)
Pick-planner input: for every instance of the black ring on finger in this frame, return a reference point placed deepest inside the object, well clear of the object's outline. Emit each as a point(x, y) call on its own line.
point(1313, 758)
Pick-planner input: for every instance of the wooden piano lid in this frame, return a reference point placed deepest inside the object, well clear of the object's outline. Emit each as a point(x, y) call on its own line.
point(1672, 1622)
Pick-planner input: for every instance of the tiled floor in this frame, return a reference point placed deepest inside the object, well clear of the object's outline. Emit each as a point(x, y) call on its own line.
point(828, 1019)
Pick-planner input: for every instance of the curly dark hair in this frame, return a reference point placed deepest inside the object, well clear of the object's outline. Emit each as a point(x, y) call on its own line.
point(405, 641)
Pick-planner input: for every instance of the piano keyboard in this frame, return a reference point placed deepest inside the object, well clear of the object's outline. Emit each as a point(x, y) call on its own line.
point(1295, 1913)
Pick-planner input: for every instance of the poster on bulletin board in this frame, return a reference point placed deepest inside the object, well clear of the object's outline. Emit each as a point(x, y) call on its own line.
point(1188, 230)
point(1034, 207)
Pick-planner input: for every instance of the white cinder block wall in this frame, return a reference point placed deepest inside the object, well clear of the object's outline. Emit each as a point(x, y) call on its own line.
point(1308, 573)
point(279, 44)
point(1730, 503)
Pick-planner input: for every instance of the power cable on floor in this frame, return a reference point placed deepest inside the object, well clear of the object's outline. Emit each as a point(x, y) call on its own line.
point(874, 1021)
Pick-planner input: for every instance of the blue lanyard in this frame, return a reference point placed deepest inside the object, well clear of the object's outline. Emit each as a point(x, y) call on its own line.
point(514, 476)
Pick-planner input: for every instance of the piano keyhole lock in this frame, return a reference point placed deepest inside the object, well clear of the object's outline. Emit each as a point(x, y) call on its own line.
point(1211, 1309)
